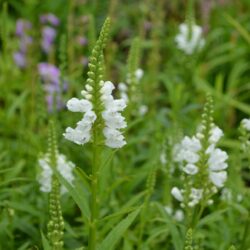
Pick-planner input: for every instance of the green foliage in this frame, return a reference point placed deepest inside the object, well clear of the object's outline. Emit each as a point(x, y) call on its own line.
point(131, 199)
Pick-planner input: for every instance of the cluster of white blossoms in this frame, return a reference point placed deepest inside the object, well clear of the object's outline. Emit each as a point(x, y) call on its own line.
point(177, 215)
point(114, 121)
point(64, 167)
point(111, 109)
point(217, 159)
point(194, 196)
point(189, 40)
point(82, 133)
point(246, 124)
point(188, 155)
point(123, 88)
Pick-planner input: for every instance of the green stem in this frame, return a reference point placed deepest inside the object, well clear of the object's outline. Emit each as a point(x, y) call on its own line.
point(245, 234)
point(143, 221)
point(94, 193)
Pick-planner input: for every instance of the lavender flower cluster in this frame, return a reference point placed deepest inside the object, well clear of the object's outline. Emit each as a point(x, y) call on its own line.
point(51, 78)
point(22, 29)
point(49, 32)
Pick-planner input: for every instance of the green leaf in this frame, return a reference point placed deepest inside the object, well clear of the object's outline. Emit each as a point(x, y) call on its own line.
point(78, 194)
point(45, 242)
point(116, 234)
point(244, 33)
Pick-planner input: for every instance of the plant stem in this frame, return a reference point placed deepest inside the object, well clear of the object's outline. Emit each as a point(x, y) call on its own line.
point(94, 193)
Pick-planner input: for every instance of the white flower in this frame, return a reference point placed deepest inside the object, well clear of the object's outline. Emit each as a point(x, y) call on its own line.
point(66, 170)
point(195, 196)
point(190, 156)
point(192, 43)
point(139, 74)
point(122, 87)
point(107, 88)
point(76, 105)
point(216, 161)
point(45, 177)
point(114, 138)
point(176, 192)
point(192, 144)
point(246, 124)
point(163, 158)
point(112, 118)
point(218, 178)
point(190, 169)
point(82, 133)
point(179, 215)
point(64, 167)
point(187, 150)
point(215, 134)
point(143, 109)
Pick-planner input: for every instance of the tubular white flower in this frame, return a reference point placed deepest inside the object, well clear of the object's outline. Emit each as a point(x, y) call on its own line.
point(64, 167)
point(187, 154)
point(190, 169)
point(195, 196)
point(176, 192)
point(186, 44)
point(112, 118)
point(179, 215)
point(143, 109)
point(215, 134)
point(45, 176)
point(193, 144)
point(76, 105)
point(114, 138)
point(246, 124)
point(218, 178)
point(139, 74)
point(216, 161)
point(82, 133)
point(107, 88)
point(163, 158)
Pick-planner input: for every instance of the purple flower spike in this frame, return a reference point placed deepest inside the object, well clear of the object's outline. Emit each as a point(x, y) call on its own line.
point(82, 40)
point(22, 26)
point(50, 19)
point(19, 59)
point(50, 76)
point(48, 37)
point(49, 73)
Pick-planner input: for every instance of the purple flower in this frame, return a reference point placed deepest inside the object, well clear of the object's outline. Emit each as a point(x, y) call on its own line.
point(22, 26)
point(19, 59)
point(48, 37)
point(84, 61)
point(50, 19)
point(81, 40)
point(50, 76)
point(49, 73)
